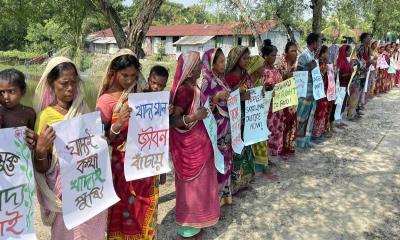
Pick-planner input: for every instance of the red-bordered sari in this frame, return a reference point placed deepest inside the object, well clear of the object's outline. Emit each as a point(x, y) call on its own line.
point(135, 216)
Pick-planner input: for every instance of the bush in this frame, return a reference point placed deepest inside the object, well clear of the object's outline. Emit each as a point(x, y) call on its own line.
point(161, 52)
point(15, 55)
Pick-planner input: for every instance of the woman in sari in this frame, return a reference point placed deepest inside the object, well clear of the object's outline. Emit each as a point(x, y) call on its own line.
point(387, 77)
point(380, 78)
point(135, 215)
point(214, 87)
point(197, 203)
point(344, 70)
point(276, 124)
point(255, 70)
point(287, 66)
point(322, 113)
point(237, 77)
point(59, 97)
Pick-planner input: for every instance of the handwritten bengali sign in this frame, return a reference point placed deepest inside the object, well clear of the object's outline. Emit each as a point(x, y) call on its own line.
point(318, 84)
point(17, 188)
point(301, 78)
point(285, 95)
point(331, 92)
point(235, 121)
point(212, 129)
point(339, 103)
point(148, 136)
point(86, 178)
point(381, 62)
point(255, 125)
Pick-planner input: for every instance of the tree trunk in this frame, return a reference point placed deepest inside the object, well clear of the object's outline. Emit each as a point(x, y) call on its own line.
point(374, 22)
point(141, 24)
point(113, 19)
point(249, 21)
point(317, 15)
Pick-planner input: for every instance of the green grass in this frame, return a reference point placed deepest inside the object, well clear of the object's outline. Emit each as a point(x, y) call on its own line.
point(92, 77)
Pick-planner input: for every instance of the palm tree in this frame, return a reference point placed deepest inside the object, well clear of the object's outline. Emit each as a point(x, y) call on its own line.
point(337, 29)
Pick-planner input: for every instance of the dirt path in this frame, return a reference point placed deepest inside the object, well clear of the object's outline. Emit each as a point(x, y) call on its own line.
point(345, 188)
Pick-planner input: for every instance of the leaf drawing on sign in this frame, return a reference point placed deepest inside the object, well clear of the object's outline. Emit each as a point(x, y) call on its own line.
point(25, 155)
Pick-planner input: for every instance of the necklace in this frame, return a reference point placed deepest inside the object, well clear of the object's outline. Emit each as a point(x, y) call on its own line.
point(60, 109)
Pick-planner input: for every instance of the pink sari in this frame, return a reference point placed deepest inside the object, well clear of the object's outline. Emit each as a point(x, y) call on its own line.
point(197, 203)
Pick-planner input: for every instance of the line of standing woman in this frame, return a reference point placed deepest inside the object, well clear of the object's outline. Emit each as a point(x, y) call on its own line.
point(200, 190)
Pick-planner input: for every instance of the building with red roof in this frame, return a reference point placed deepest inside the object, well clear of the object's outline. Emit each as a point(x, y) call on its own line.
point(176, 39)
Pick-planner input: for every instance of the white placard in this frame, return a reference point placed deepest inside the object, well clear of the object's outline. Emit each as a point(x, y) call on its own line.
point(212, 129)
point(17, 188)
point(318, 84)
point(255, 125)
point(147, 144)
point(235, 121)
point(301, 78)
point(86, 178)
point(339, 103)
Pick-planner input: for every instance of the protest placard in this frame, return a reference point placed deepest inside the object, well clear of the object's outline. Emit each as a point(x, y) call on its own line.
point(285, 95)
point(212, 129)
point(235, 121)
point(17, 188)
point(339, 103)
point(331, 91)
point(301, 78)
point(392, 66)
point(148, 136)
point(381, 62)
point(318, 84)
point(86, 178)
point(255, 125)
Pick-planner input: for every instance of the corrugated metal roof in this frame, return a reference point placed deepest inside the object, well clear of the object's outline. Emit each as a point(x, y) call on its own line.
point(193, 40)
point(104, 40)
point(224, 29)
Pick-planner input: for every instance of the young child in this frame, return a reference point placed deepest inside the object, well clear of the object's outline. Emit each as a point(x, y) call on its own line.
point(12, 112)
point(158, 79)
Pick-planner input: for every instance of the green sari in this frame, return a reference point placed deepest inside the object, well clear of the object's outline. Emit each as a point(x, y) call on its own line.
point(243, 164)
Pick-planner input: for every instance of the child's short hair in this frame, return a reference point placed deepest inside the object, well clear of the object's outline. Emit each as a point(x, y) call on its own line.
point(159, 71)
point(14, 76)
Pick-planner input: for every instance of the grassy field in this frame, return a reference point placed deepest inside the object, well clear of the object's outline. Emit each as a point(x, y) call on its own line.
point(92, 77)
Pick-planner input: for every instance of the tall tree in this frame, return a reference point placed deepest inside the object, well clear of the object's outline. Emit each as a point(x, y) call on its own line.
point(316, 6)
point(251, 24)
point(287, 12)
point(138, 26)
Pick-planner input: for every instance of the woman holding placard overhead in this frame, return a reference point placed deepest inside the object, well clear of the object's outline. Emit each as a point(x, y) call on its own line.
point(197, 203)
point(273, 76)
point(237, 77)
point(214, 86)
point(135, 216)
point(59, 96)
point(287, 66)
